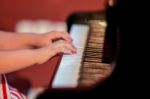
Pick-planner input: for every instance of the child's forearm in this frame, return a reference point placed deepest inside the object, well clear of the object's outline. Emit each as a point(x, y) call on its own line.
point(9, 41)
point(15, 60)
point(18, 59)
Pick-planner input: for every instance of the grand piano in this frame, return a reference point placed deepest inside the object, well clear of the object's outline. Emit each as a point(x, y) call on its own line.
point(92, 69)
point(97, 49)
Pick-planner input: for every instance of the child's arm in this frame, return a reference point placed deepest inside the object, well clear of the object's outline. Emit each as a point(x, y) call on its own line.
point(11, 41)
point(19, 59)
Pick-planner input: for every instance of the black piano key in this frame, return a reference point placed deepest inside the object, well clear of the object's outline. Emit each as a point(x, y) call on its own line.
point(97, 48)
point(91, 70)
point(87, 82)
point(96, 65)
point(92, 60)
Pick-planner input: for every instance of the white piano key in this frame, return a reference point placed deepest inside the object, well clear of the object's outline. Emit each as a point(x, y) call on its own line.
point(68, 71)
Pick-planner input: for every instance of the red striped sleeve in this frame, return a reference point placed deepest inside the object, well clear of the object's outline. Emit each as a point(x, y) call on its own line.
point(4, 87)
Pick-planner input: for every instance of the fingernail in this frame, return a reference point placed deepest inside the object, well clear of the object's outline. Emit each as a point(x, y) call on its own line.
point(74, 51)
point(69, 40)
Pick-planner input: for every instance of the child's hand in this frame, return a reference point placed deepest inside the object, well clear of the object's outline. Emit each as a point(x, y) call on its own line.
point(48, 38)
point(60, 46)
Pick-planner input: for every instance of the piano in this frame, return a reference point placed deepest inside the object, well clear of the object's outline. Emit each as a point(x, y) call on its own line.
point(96, 55)
point(97, 50)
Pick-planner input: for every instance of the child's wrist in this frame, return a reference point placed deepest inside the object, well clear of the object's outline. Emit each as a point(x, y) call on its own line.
point(32, 39)
point(35, 40)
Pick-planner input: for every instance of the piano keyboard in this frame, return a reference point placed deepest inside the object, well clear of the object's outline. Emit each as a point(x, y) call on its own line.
point(87, 67)
point(68, 70)
point(97, 58)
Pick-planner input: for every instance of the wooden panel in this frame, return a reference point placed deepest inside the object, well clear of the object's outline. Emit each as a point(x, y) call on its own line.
point(57, 10)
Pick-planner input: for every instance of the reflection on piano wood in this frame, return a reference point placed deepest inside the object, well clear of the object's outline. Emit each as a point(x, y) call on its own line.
point(93, 61)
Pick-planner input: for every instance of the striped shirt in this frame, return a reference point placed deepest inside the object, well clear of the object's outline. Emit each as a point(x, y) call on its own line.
point(8, 92)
